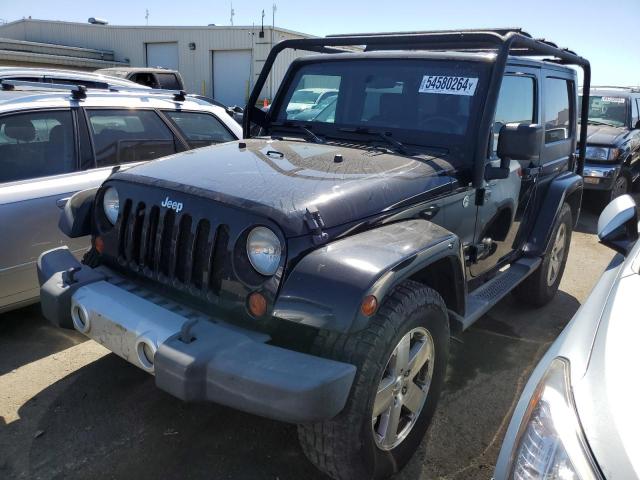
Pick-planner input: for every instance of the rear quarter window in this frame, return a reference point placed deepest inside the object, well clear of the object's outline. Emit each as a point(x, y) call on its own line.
point(200, 129)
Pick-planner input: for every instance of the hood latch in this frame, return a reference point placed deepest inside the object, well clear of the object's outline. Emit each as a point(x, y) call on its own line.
point(314, 222)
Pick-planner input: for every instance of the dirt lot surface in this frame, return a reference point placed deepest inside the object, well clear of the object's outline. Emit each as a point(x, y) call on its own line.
point(70, 409)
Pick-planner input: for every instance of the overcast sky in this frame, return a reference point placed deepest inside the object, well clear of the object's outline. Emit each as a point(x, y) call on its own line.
point(607, 33)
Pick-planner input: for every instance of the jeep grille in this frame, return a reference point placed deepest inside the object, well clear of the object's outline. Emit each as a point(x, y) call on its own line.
point(172, 248)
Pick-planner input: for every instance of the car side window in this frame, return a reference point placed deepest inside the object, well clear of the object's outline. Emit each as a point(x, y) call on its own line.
point(516, 104)
point(200, 129)
point(122, 136)
point(557, 110)
point(36, 144)
point(635, 116)
point(168, 81)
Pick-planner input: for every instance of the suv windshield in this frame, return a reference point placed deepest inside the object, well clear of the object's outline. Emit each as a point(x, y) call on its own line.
point(608, 110)
point(417, 101)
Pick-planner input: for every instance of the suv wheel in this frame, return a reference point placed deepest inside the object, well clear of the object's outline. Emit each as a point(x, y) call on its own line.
point(541, 286)
point(620, 187)
point(401, 359)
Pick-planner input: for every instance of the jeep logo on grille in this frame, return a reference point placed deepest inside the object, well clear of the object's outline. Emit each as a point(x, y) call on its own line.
point(172, 204)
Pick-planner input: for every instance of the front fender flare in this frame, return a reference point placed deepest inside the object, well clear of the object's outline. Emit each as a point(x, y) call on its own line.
point(76, 220)
point(326, 288)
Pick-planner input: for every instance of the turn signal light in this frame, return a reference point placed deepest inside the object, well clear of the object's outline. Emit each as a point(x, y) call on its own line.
point(98, 243)
point(257, 304)
point(369, 305)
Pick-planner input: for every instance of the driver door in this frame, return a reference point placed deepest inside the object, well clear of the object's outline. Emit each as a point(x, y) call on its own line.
point(506, 200)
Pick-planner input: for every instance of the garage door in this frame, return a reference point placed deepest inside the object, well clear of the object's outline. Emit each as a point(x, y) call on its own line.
point(231, 76)
point(162, 55)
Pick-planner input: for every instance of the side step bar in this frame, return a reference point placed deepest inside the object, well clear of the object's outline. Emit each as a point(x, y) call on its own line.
point(483, 298)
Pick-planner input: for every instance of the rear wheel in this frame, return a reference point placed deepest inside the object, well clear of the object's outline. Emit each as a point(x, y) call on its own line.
point(620, 187)
point(401, 359)
point(541, 286)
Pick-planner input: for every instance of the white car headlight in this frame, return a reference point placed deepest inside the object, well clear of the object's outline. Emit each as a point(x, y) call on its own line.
point(264, 250)
point(550, 444)
point(111, 204)
point(602, 154)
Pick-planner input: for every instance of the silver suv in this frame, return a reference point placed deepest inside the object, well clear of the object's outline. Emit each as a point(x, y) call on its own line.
point(54, 143)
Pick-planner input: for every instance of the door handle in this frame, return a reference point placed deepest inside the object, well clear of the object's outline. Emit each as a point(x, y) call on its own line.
point(61, 202)
point(430, 212)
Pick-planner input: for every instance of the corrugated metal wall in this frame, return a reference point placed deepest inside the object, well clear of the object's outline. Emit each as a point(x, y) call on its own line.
point(129, 43)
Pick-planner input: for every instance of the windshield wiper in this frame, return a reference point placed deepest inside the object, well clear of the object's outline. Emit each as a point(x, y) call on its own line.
point(314, 138)
point(386, 136)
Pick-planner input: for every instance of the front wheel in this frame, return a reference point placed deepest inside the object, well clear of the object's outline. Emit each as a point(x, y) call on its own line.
point(541, 286)
point(401, 359)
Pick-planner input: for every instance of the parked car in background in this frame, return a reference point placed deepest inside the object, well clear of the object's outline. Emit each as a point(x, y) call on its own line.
point(613, 145)
point(306, 98)
point(578, 415)
point(323, 111)
point(52, 145)
point(67, 77)
point(149, 77)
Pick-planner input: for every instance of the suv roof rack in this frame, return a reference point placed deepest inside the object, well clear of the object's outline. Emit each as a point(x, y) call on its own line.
point(79, 92)
point(631, 89)
point(502, 41)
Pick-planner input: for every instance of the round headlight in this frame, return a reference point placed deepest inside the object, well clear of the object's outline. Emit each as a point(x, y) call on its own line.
point(264, 250)
point(111, 204)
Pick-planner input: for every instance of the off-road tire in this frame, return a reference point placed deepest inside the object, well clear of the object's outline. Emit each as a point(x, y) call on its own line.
point(344, 447)
point(535, 290)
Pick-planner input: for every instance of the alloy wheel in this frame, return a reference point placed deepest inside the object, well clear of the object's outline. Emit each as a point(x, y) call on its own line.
point(403, 389)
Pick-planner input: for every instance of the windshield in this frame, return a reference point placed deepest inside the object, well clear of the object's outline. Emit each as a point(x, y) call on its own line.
point(608, 110)
point(417, 101)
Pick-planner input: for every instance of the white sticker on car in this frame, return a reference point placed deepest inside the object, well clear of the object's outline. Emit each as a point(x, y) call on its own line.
point(447, 85)
point(613, 99)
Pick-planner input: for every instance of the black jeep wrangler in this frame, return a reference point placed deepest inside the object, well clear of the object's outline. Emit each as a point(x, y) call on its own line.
point(314, 273)
point(612, 162)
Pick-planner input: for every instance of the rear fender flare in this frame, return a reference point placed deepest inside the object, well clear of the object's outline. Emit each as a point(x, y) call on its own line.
point(326, 288)
point(566, 188)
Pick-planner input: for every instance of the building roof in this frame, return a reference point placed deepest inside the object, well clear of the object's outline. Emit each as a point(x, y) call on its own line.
point(157, 27)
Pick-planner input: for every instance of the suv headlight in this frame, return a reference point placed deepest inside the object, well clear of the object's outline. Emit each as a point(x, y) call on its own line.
point(602, 154)
point(550, 444)
point(111, 204)
point(264, 250)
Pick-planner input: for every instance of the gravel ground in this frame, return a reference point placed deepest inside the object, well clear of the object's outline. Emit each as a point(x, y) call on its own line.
point(70, 409)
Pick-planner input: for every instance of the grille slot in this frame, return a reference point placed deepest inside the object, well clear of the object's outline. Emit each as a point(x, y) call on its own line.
point(174, 249)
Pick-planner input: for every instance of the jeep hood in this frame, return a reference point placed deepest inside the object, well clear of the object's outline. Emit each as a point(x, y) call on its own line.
point(605, 135)
point(282, 179)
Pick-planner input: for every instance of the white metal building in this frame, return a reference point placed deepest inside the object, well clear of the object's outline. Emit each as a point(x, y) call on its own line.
point(218, 61)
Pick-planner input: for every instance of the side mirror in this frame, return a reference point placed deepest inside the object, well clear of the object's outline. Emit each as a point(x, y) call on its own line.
point(516, 141)
point(637, 125)
point(618, 224)
point(520, 141)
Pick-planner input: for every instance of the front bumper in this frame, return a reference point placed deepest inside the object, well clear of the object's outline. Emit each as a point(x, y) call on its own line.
point(192, 356)
point(600, 177)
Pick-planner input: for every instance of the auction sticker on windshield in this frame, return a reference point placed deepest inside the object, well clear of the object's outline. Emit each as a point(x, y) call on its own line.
point(448, 85)
point(613, 100)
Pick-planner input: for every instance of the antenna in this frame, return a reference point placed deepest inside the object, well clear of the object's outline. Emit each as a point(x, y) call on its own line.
point(232, 13)
point(146, 16)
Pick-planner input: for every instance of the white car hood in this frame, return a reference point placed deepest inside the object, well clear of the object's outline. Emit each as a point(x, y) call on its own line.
point(607, 395)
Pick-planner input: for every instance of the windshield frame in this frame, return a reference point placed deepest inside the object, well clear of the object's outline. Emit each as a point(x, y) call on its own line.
point(456, 143)
point(627, 107)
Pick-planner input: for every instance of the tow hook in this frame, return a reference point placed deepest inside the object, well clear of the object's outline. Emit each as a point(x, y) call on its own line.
point(69, 276)
point(186, 336)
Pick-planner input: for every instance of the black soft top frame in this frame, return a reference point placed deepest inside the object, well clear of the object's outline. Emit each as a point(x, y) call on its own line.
point(503, 42)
